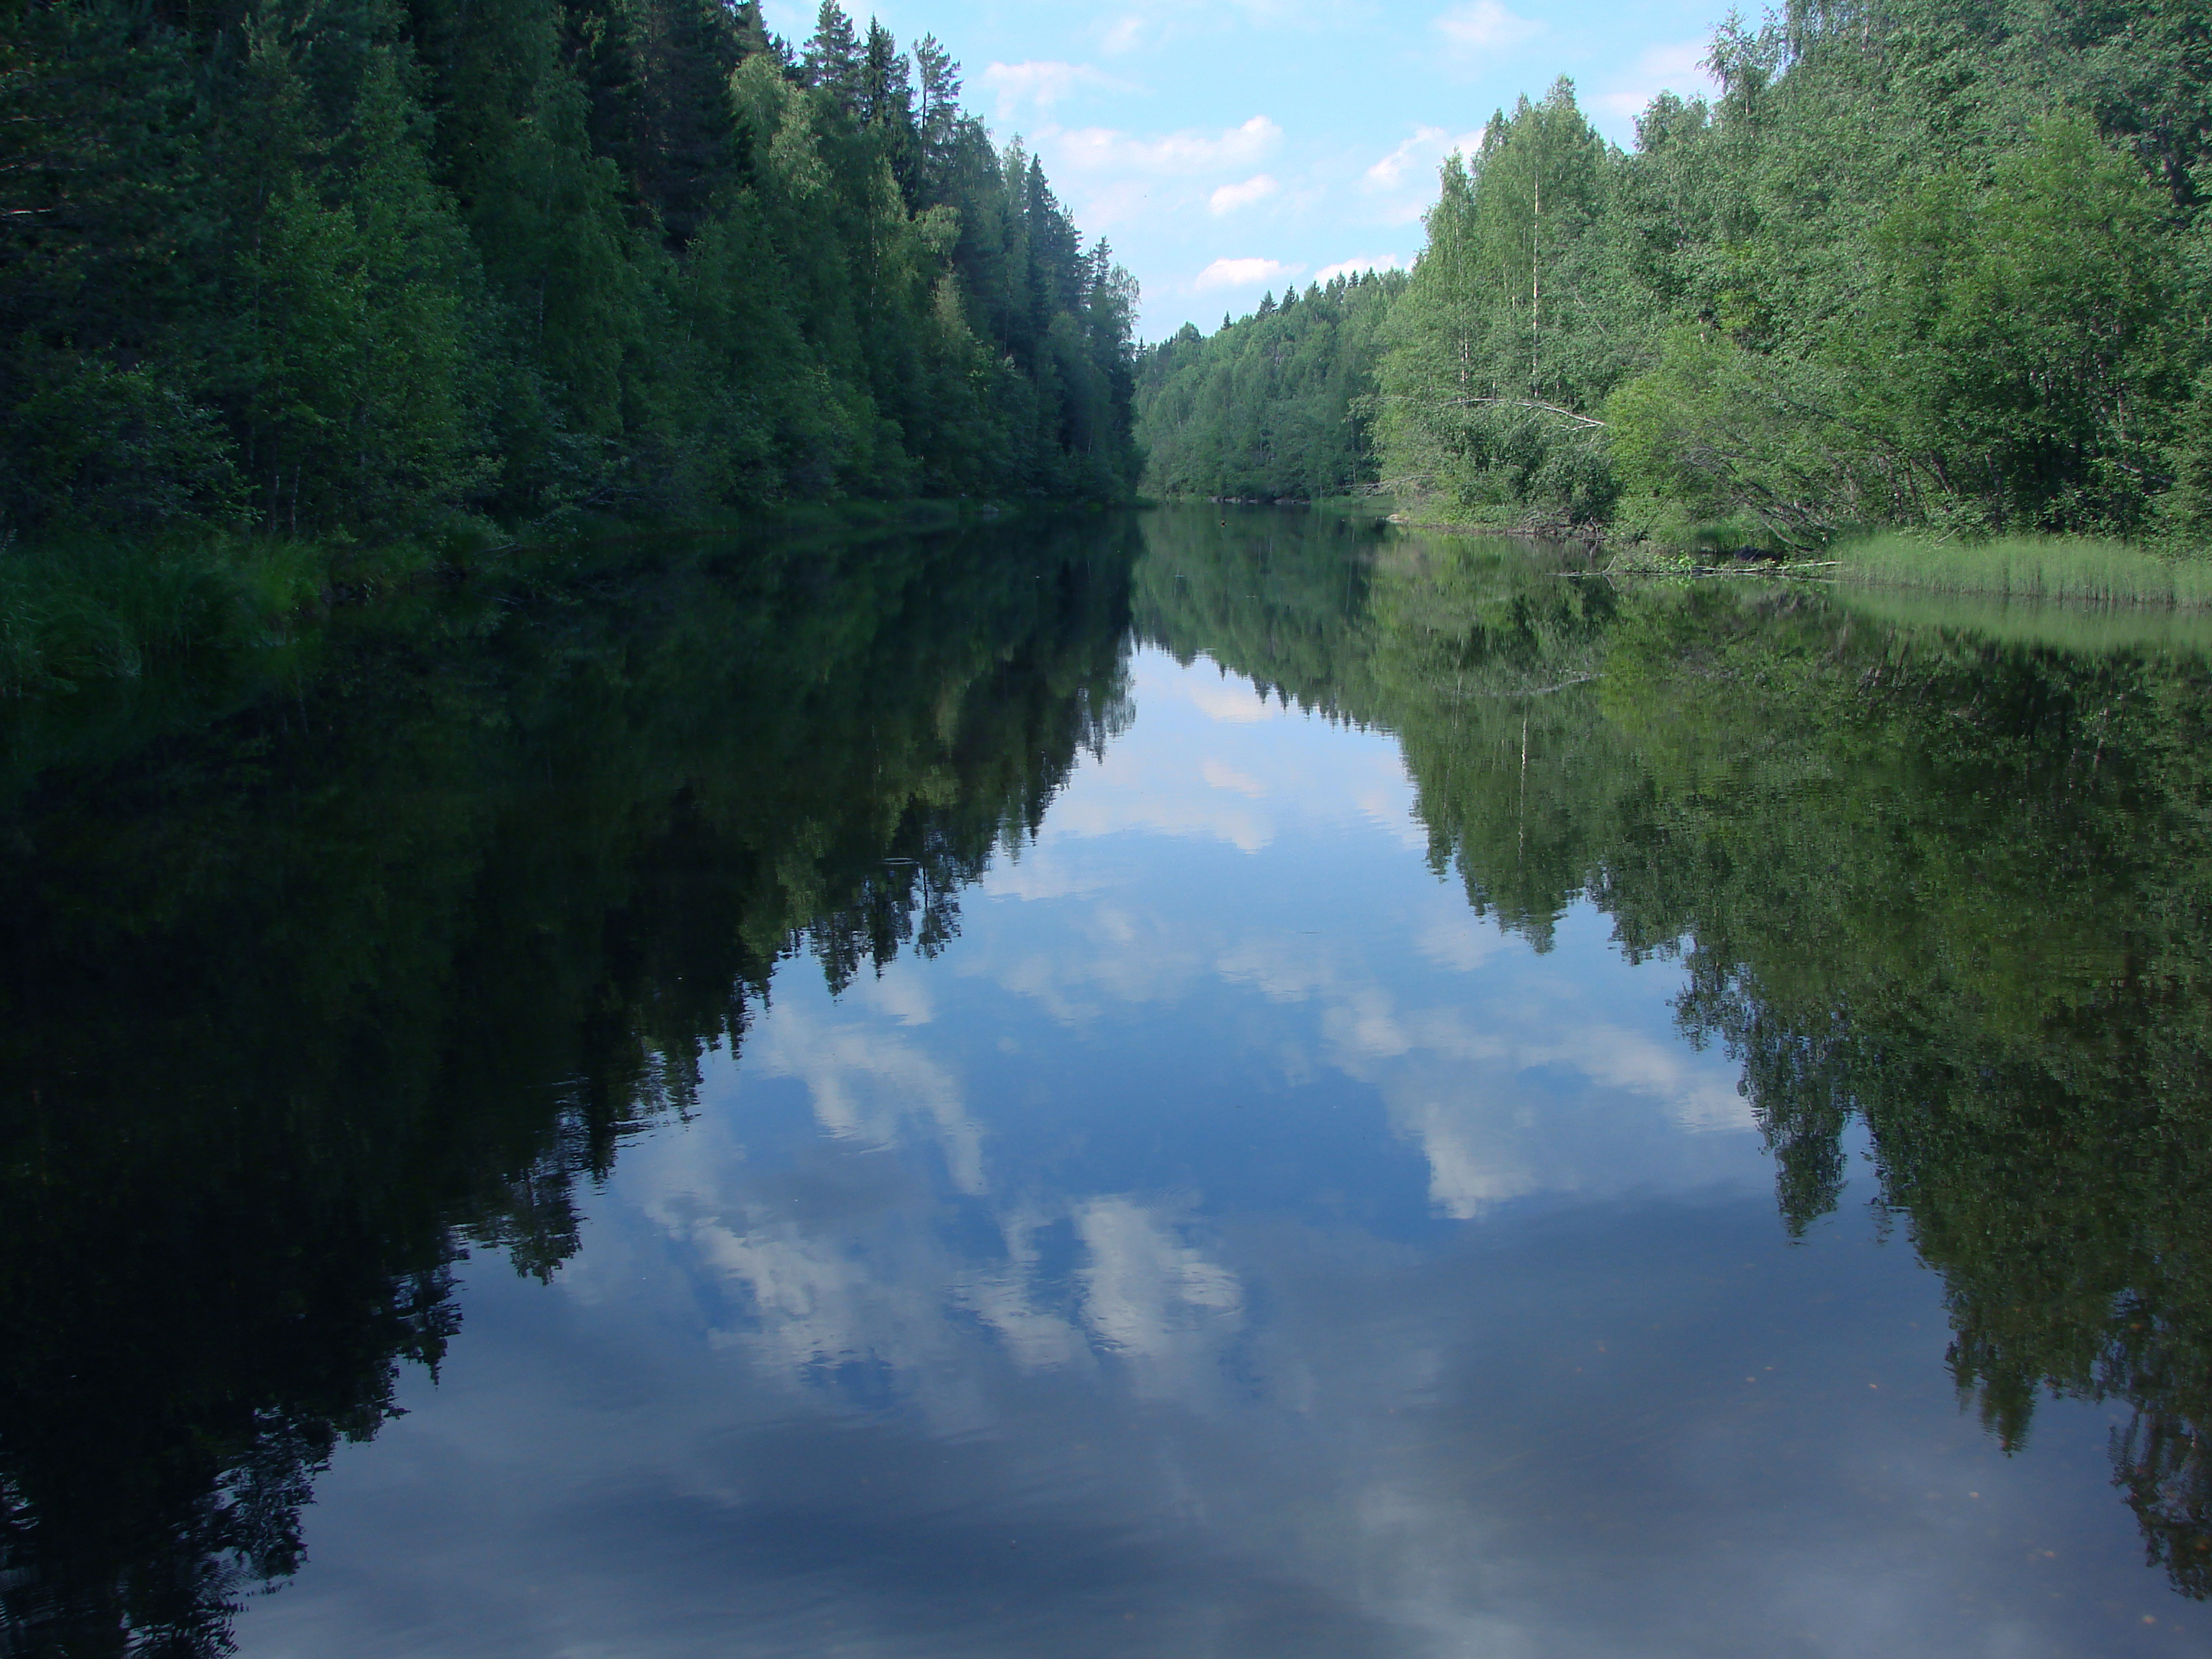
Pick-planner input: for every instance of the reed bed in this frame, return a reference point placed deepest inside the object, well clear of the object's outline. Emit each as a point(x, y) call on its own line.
point(2070, 568)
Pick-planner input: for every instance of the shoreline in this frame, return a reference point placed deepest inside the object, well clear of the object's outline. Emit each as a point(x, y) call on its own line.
point(2079, 571)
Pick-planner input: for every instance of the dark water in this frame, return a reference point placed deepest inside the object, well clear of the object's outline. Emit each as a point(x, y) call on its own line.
point(1197, 1086)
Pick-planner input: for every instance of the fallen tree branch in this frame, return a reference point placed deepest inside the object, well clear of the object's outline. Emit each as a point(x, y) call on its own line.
point(1458, 695)
point(1509, 403)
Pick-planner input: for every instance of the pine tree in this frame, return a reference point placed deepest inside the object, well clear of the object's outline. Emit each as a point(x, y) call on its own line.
point(940, 97)
point(832, 60)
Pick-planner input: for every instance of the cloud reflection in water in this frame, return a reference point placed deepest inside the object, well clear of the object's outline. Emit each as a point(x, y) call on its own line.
point(1210, 1254)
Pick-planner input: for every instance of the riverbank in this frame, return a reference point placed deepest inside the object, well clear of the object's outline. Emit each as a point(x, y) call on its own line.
point(2065, 570)
point(2071, 568)
point(2037, 571)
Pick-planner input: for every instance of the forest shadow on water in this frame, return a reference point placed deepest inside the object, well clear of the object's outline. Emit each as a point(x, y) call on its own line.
point(305, 1005)
point(317, 991)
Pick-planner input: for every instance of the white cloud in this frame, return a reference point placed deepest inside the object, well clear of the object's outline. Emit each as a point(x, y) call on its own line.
point(1124, 33)
point(1114, 178)
point(811, 1303)
point(1467, 1174)
point(1151, 1298)
point(1243, 273)
point(1284, 969)
point(1461, 1090)
point(1191, 151)
point(866, 1085)
point(1362, 1027)
point(1356, 265)
point(1006, 1296)
point(1044, 84)
point(900, 993)
point(1113, 955)
point(1104, 207)
point(1162, 801)
point(1230, 198)
point(1679, 68)
point(1408, 172)
point(1388, 173)
point(1218, 776)
point(1236, 702)
point(1486, 25)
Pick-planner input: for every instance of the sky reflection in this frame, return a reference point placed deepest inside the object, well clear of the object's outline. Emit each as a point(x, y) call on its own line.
point(1230, 1245)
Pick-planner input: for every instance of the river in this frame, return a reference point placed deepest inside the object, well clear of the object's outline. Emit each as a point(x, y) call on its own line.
point(1216, 1082)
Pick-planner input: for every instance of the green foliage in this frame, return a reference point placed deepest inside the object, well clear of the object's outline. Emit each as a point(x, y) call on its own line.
point(1271, 407)
point(359, 359)
point(2022, 323)
point(356, 267)
point(1714, 431)
point(1498, 344)
point(1915, 266)
point(95, 610)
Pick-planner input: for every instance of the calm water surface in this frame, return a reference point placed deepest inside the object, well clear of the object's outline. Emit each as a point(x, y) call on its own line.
point(1201, 1086)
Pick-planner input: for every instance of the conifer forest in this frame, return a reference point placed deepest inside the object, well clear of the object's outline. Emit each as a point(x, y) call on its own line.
point(368, 267)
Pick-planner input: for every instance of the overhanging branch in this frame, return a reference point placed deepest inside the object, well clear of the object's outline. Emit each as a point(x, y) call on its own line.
point(1509, 403)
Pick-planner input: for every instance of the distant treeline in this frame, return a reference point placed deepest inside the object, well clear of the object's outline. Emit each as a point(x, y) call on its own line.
point(1268, 407)
point(363, 264)
point(1920, 263)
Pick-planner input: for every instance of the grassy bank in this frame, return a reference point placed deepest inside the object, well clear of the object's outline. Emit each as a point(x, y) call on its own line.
point(2029, 567)
point(79, 613)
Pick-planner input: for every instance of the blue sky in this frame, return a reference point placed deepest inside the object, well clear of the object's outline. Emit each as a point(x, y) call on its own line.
point(1228, 147)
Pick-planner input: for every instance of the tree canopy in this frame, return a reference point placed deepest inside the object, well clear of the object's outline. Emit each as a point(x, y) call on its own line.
point(1915, 264)
point(358, 267)
point(1268, 408)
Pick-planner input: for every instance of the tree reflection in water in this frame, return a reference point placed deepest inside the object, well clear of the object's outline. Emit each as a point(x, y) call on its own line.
point(1948, 876)
point(305, 1001)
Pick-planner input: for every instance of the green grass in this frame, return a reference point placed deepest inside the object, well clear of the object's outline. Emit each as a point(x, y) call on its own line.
point(2073, 570)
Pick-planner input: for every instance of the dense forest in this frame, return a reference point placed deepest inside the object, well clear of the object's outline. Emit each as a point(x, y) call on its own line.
point(1265, 409)
point(375, 268)
point(1917, 264)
